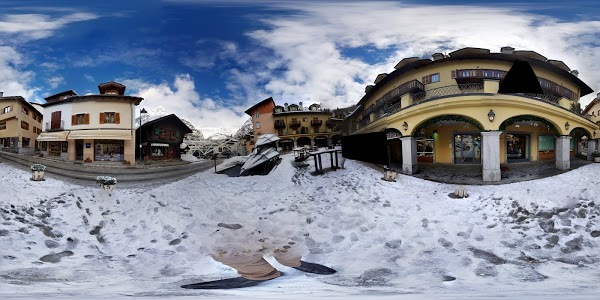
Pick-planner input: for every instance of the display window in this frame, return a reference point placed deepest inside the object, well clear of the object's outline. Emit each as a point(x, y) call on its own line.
point(108, 150)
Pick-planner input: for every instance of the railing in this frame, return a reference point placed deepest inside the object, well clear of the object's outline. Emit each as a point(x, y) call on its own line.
point(477, 73)
point(294, 124)
point(458, 89)
point(556, 88)
point(316, 122)
point(279, 124)
point(52, 126)
point(548, 98)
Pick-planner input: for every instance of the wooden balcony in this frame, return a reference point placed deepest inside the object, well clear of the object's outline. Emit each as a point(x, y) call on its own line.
point(279, 124)
point(463, 76)
point(295, 124)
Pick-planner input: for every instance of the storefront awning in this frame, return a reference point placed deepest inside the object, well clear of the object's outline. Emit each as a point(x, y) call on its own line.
point(107, 134)
point(159, 145)
point(59, 136)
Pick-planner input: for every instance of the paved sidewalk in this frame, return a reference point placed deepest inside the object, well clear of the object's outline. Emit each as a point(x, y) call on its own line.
point(472, 174)
point(141, 175)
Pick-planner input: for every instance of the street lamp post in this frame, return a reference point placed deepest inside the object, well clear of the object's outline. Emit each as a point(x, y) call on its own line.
point(142, 111)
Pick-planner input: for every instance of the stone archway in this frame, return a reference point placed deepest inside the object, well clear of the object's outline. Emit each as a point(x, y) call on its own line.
point(394, 146)
point(303, 141)
point(578, 144)
point(527, 138)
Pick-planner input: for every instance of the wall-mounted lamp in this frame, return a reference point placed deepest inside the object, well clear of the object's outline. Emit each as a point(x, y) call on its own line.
point(567, 126)
point(491, 115)
point(405, 126)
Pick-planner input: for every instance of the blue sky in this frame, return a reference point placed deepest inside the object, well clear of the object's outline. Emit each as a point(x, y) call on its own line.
point(208, 61)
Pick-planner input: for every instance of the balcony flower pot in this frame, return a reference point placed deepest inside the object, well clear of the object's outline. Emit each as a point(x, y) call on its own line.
point(106, 182)
point(596, 155)
point(38, 172)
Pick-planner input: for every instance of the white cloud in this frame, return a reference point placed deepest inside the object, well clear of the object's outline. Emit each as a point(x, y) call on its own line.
point(13, 81)
point(310, 65)
point(25, 27)
point(17, 29)
point(55, 81)
point(182, 99)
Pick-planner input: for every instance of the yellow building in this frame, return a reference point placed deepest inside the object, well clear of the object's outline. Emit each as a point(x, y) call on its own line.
point(91, 127)
point(474, 106)
point(298, 126)
point(20, 124)
point(295, 125)
point(592, 112)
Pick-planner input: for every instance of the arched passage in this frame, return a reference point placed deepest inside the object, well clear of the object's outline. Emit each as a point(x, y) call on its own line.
point(394, 146)
point(286, 144)
point(448, 139)
point(579, 142)
point(527, 138)
point(320, 141)
point(303, 141)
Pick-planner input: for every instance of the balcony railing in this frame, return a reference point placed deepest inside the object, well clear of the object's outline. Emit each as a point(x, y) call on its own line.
point(55, 126)
point(458, 89)
point(466, 74)
point(316, 122)
point(548, 98)
point(295, 124)
point(279, 124)
point(556, 89)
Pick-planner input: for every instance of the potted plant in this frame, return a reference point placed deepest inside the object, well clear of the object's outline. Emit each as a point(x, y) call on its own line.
point(596, 155)
point(38, 172)
point(106, 182)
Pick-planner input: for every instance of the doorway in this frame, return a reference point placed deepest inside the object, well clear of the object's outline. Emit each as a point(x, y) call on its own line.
point(517, 147)
point(78, 149)
point(467, 148)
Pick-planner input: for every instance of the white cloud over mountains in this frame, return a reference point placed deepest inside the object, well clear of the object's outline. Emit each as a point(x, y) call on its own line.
point(182, 99)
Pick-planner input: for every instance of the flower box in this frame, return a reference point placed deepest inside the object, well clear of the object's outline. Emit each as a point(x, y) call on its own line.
point(106, 182)
point(38, 172)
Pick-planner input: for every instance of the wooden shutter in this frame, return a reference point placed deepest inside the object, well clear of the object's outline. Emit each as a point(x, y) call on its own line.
point(73, 119)
point(55, 120)
point(86, 118)
point(102, 117)
point(117, 118)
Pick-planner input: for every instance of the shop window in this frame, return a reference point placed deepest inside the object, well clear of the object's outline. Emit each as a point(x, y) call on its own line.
point(108, 150)
point(24, 125)
point(25, 142)
point(6, 109)
point(44, 146)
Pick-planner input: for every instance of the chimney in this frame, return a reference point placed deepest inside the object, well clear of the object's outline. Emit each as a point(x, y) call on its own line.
point(575, 73)
point(507, 50)
point(437, 56)
point(285, 107)
point(300, 106)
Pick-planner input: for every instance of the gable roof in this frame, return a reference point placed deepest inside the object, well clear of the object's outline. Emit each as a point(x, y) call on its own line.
point(23, 101)
point(172, 118)
point(249, 110)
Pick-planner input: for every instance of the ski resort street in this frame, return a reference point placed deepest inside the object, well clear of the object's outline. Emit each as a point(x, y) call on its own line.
point(388, 240)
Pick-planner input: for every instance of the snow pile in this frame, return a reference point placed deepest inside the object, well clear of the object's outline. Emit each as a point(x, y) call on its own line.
point(384, 238)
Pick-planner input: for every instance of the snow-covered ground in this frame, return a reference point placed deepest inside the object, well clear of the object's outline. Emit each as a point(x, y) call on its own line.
point(394, 240)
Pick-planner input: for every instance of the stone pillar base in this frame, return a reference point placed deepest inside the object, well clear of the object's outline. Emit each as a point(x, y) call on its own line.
point(492, 175)
point(410, 169)
point(563, 165)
